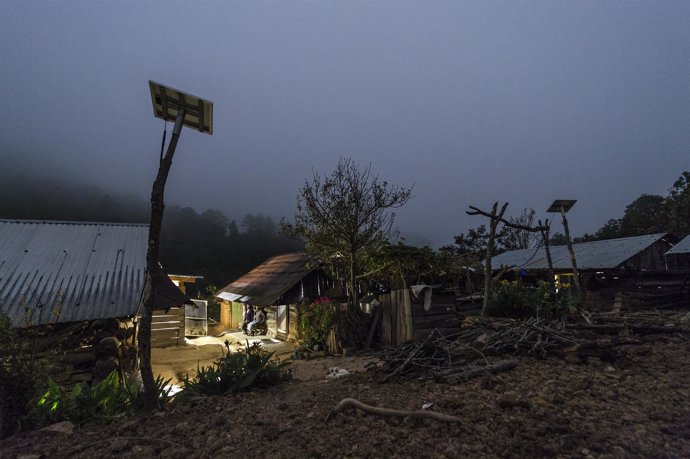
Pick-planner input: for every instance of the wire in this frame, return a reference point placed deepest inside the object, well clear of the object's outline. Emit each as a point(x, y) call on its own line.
point(539, 246)
point(536, 250)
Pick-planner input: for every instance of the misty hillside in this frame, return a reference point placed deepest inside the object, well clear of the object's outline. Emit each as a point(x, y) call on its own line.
point(207, 243)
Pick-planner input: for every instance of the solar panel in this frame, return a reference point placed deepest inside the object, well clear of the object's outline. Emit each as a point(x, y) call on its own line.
point(168, 101)
point(566, 204)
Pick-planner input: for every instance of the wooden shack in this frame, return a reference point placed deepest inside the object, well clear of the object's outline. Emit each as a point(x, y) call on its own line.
point(168, 326)
point(278, 284)
point(81, 281)
point(609, 269)
point(678, 258)
point(404, 316)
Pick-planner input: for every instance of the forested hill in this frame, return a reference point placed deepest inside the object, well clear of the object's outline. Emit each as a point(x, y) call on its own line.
point(206, 244)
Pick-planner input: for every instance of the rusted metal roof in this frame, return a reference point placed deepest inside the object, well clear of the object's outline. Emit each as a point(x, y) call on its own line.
point(607, 254)
point(682, 247)
point(265, 284)
point(52, 271)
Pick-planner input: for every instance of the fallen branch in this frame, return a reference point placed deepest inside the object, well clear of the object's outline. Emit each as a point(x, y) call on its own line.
point(391, 412)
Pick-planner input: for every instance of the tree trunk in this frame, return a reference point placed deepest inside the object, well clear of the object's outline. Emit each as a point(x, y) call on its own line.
point(152, 264)
point(552, 279)
point(495, 219)
point(354, 297)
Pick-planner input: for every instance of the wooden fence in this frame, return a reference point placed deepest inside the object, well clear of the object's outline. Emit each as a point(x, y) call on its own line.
point(167, 328)
point(403, 317)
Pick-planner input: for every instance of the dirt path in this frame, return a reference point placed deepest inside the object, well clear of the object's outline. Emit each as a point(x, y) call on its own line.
point(637, 407)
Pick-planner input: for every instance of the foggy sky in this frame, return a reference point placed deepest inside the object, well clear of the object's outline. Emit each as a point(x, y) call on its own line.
point(473, 102)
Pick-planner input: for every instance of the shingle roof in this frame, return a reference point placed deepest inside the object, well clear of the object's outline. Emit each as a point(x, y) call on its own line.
point(266, 283)
point(607, 254)
point(53, 271)
point(682, 247)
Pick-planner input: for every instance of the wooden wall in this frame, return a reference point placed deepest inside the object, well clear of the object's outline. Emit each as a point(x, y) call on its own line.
point(292, 333)
point(651, 258)
point(438, 316)
point(403, 317)
point(231, 315)
point(396, 318)
point(678, 261)
point(167, 328)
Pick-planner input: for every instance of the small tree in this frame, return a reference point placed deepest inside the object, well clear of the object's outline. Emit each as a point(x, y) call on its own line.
point(399, 265)
point(678, 205)
point(342, 215)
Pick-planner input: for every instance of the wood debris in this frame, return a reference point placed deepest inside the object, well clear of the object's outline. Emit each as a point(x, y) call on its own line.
point(462, 355)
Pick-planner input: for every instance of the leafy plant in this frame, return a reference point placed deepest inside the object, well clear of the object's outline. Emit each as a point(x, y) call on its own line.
point(83, 403)
point(508, 299)
point(135, 397)
point(23, 372)
point(315, 321)
point(107, 400)
point(234, 372)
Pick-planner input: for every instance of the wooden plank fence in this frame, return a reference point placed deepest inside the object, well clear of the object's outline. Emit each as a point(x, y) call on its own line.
point(167, 328)
point(404, 318)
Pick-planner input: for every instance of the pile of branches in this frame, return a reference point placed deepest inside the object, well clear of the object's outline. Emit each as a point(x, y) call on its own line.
point(534, 336)
point(451, 358)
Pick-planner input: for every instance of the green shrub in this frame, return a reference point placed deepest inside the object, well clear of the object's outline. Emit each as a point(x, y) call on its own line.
point(83, 403)
point(23, 373)
point(315, 322)
point(106, 400)
point(508, 299)
point(135, 396)
point(234, 372)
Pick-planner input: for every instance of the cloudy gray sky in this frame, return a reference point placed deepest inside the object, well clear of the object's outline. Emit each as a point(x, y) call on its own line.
point(472, 102)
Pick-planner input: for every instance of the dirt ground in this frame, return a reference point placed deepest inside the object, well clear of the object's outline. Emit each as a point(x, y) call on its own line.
point(637, 406)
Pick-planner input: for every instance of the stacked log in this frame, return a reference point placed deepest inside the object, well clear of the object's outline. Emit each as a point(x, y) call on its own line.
point(90, 352)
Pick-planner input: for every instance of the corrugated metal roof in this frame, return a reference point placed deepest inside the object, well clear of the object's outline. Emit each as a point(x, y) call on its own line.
point(266, 283)
point(607, 254)
point(682, 247)
point(53, 271)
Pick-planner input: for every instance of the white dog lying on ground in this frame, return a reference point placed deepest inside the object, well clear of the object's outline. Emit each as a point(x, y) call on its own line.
point(335, 373)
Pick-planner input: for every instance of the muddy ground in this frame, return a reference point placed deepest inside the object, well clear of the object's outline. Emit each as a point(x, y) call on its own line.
point(637, 406)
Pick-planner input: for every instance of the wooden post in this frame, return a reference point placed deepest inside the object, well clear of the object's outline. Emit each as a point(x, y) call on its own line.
point(544, 229)
point(495, 219)
point(571, 252)
point(152, 263)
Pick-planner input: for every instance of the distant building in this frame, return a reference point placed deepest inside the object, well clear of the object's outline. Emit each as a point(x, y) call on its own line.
point(612, 270)
point(678, 258)
point(278, 284)
point(629, 253)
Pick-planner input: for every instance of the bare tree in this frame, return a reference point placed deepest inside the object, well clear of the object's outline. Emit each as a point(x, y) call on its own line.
point(342, 215)
point(496, 218)
point(517, 237)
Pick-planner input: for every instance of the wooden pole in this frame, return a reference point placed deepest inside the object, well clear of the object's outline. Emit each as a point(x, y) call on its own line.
point(152, 263)
point(571, 252)
point(545, 236)
point(495, 219)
